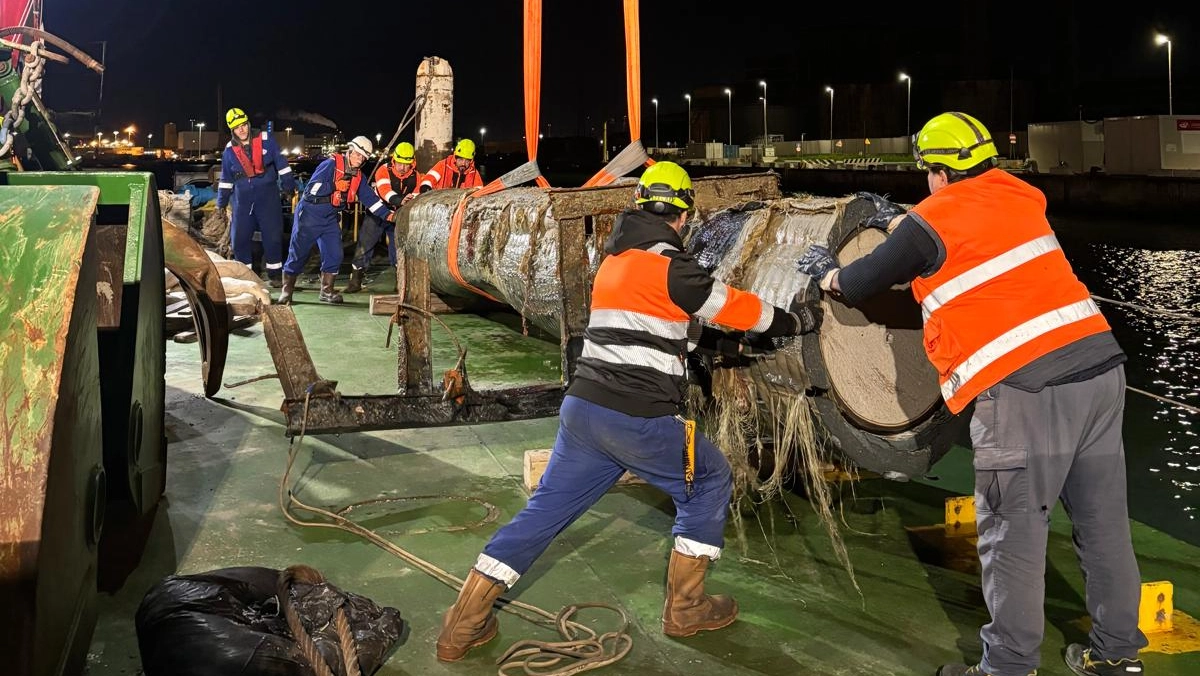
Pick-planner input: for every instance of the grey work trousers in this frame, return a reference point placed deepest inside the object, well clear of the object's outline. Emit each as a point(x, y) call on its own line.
point(1031, 449)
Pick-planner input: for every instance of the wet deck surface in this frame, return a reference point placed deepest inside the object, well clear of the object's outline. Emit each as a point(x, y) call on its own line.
point(799, 611)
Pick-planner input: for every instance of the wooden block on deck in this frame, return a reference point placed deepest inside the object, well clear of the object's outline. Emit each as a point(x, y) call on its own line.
point(535, 466)
point(385, 304)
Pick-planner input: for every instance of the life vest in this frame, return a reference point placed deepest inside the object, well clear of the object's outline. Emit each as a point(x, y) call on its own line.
point(445, 174)
point(252, 166)
point(1005, 294)
point(345, 185)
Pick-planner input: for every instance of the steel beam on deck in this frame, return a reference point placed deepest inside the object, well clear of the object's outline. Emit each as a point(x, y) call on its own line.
point(334, 414)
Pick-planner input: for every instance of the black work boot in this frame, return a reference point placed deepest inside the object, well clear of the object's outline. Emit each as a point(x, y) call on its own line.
point(289, 287)
point(964, 670)
point(356, 279)
point(1082, 662)
point(274, 279)
point(328, 293)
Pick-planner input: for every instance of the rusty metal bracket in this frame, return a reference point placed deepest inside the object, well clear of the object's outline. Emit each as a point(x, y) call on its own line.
point(330, 415)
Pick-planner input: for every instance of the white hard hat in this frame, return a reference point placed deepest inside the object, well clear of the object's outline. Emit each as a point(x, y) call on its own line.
point(362, 145)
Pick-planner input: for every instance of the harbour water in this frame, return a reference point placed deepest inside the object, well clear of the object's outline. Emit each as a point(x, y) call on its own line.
point(1152, 265)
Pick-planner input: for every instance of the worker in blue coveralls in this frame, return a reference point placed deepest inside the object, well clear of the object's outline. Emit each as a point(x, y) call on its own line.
point(336, 182)
point(252, 172)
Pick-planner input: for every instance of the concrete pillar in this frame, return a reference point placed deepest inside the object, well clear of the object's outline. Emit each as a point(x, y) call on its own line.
point(435, 121)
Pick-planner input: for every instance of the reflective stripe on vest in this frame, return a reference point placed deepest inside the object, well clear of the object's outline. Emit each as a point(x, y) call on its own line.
point(1014, 338)
point(629, 320)
point(634, 355)
point(984, 272)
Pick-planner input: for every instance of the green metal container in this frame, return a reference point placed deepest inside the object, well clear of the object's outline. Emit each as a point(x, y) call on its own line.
point(52, 498)
point(130, 308)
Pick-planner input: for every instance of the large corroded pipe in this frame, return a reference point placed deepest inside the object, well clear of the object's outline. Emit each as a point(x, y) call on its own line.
point(876, 395)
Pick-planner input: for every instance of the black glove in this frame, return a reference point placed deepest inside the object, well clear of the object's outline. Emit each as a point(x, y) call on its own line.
point(757, 346)
point(885, 210)
point(817, 262)
point(395, 201)
point(807, 316)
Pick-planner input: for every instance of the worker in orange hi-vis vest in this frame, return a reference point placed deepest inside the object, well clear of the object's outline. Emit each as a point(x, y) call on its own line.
point(1012, 332)
point(622, 412)
point(395, 184)
point(456, 171)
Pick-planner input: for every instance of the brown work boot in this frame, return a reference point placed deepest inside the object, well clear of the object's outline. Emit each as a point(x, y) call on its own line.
point(470, 621)
point(289, 287)
point(328, 293)
point(356, 279)
point(688, 609)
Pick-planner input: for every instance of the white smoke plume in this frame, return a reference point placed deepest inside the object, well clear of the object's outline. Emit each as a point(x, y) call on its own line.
point(305, 116)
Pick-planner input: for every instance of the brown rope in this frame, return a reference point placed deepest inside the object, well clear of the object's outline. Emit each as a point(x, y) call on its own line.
point(592, 653)
point(341, 623)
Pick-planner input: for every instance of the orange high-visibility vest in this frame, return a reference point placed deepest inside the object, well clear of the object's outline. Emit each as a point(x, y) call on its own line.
point(1005, 294)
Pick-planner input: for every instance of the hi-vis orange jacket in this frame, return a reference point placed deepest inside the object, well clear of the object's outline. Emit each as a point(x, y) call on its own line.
point(1005, 294)
point(391, 188)
point(643, 297)
point(445, 174)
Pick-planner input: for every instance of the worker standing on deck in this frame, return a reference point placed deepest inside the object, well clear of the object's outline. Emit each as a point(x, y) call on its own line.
point(333, 185)
point(1011, 330)
point(455, 171)
point(252, 172)
point(395, 184)
point(621, 412)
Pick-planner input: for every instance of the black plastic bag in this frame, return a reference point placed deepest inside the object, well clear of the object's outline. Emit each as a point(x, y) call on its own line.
point(228, 622)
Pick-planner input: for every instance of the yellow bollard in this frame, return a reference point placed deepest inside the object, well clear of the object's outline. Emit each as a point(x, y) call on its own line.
point(1157, 609)
point(960, 516)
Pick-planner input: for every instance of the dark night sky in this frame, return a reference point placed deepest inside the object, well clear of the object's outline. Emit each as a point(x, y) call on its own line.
point(165, 59)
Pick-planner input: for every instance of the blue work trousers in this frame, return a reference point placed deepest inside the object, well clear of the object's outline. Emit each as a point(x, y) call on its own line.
point(257, 208)
point(325, 232)
point(370, 231)
point(595, 446)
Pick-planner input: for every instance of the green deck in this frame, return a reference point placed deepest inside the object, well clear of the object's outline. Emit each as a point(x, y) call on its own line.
point(799, 612)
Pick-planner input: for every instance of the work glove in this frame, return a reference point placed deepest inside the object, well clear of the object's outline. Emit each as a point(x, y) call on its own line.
point(885, 211)
point(395, 201)
point(819, 264)
point(757, 346)
point(807, 316)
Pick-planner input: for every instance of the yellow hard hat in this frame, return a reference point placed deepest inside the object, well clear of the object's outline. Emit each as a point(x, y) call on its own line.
point(236, 117)
point(404, 153)
point(665, 184)
point(954, 140)
point(465, 149)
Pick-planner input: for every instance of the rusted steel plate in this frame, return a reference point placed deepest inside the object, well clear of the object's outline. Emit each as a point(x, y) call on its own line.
point(328, 414)
point(51, 468)
point(202, 285)
point(286, 343)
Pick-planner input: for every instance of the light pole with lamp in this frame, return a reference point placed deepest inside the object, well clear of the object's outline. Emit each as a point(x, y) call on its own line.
point(729, 95)
point(655, 102)
point(200, 140)
point(149, 140)
point(689, 100)
point(482, 134)
point(378, 138)
point(1161, 39)
point(289, 136)
point(129, 134)
point(830, 91)
point(763, 84)
point(908, 115)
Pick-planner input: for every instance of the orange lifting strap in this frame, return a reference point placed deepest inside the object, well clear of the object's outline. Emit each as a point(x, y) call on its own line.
point(533, 80)
point(634, 155)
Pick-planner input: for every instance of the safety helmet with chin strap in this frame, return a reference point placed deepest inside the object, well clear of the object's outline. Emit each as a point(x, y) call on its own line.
point(361, 145)
point(665, 188)
point(953, 140)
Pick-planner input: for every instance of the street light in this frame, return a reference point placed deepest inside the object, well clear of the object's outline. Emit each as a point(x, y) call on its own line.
point(378, 138)
point(729, 95)
point(482, 134)
point(289, 135)
point(149, 140)
point(200, 140)
point(655, 102)
point(689, 100)
point(763, 84)
point(1160, 40)
point(830, 90)
point(908, 116)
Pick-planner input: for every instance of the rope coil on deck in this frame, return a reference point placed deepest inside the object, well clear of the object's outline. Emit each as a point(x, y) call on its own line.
point(534, 657)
